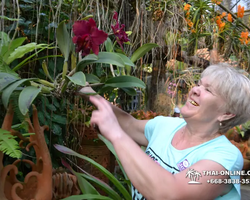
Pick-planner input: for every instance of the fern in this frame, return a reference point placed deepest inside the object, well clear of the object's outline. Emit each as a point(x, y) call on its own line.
point(8, 144)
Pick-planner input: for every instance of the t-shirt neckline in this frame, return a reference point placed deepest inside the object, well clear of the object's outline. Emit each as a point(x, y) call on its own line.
point(187, 149)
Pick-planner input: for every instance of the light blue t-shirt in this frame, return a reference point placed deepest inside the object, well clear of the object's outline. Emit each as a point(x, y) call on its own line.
point(159, 133)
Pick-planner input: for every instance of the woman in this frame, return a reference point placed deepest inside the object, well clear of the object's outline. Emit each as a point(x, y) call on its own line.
point(184, 157)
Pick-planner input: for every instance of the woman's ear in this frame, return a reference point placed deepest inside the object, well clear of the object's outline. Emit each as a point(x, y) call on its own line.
point(226, 116)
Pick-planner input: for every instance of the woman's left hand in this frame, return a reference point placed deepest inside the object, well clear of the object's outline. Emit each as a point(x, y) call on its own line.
point(105, 119)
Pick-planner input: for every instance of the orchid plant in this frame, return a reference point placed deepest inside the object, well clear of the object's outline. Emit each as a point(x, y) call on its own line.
point(226, 30)
point(88, 40)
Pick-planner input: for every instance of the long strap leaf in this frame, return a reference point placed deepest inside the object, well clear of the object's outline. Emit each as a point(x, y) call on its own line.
point(87, 197)
point(110, 176)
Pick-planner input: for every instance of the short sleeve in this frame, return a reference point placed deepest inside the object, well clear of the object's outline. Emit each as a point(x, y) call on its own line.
point(161, 123)
point(229, 157)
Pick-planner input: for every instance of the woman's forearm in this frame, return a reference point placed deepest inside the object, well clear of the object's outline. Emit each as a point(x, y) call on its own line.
point(146, 176)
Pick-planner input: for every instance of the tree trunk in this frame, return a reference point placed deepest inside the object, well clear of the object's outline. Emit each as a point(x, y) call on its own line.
point(158, 77)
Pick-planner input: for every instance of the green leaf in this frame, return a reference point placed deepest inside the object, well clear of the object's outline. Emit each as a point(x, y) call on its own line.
point(91, 78)
point(196, 14)
point(108, 45)
point(65, 69)
point(9, 145)
point(9, 90)
point(5, 39)
point(78, 78)
point(112, 149)
point(86, 61)
point(29, 1)
point(84, 185)
point(59, 119)
point(110, 176)
point(129, 91)
point(110, 58)
point(141, 51)
point(6, 79)
point(87, 197)
point(55, 102)
point(41, 118)
point(22, 50)
point(26, 98)
point(51, 107)
point(87, 17)
point(6, 69)
point(126, 60)
point(64, 40)
point(28, 58)
point(106, 89)
point(204, 34)
point(56, 129)
point(99, 183)
point(125, 82)
point(12, 46)
point(103, 57)
point(102, 185)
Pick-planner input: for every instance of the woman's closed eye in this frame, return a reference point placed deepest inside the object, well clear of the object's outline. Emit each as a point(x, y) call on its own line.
point(208, 90)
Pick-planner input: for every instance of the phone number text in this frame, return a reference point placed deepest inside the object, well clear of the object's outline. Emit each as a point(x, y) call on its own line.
point(228, 181)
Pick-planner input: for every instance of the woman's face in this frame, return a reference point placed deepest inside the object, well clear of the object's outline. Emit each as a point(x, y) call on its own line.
point(204, 103)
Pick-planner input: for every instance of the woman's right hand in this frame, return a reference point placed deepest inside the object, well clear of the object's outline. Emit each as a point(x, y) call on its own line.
point(86, 91)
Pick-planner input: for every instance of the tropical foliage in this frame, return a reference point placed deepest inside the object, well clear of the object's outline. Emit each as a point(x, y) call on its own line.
point(50, 49)
point(9, 145)
point(86, 180)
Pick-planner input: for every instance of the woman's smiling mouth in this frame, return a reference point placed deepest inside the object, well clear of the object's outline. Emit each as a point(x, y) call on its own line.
point(193, 103)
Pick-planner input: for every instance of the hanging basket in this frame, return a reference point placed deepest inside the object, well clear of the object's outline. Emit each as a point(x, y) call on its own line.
point(100, 154)
point(92, 147)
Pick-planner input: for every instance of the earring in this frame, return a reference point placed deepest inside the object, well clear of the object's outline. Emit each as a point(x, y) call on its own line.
point(220, 124)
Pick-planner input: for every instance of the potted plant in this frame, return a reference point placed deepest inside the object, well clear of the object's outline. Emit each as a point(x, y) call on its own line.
point(239, 136)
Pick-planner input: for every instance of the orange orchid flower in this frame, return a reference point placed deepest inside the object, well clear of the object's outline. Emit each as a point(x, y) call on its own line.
point(240, 13)
point(193, 31)
point(219, 23)
point(222, 25)
point(190, 24)
point(229, 17)
point(223, 14)
point(218, 2)
point(244, 38)
point(187, 7)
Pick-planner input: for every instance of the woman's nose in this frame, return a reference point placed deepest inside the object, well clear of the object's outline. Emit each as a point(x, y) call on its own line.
point(196, 90)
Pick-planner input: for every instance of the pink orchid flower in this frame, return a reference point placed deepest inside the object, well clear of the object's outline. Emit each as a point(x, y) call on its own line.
point(88, 36)
point(121, 35)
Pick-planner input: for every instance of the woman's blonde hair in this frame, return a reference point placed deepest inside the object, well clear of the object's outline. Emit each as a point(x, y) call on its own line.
point(234, 88)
